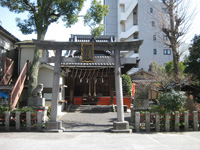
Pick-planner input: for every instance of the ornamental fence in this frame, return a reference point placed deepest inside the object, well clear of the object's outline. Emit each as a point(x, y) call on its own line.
point(156, 122)
point(17, 121)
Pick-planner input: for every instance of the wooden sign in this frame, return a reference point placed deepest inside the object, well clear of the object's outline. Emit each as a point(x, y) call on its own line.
point(87, 52)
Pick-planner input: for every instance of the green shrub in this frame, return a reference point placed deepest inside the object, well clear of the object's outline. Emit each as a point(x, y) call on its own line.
point(23, 110)
point(3, 109)
point(126, 84)
point(172, 101)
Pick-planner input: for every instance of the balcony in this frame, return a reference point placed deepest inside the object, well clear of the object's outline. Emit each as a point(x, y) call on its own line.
point(129, 32)
point(124, 15)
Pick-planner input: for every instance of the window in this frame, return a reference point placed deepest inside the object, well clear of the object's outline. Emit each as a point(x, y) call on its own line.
point(135, 35)
point(165, 38)
point(164, 10)
point(151, 10)
point(153, 23)
point(167, 51)
point(154, 37)
point(154, 51)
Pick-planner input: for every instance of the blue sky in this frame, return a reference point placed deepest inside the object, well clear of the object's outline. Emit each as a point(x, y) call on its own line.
point(59, 32)
point(55, 31)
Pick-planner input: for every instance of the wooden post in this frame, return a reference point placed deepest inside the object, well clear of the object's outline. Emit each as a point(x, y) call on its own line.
point(147, 123)
point(7, 121)
point(177, 121)
point(195, 120)
point(167, 122)
point(55, 90)
point(186, 121)
point(89, 94)
point(111, 90)
point(137, 121)
point(28, 121)
point(118, 87)
point(71, 93)
point(17, 115)
point(157, 122)
point(95, 88)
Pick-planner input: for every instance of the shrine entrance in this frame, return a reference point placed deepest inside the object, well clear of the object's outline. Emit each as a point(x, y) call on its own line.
point(87, 56)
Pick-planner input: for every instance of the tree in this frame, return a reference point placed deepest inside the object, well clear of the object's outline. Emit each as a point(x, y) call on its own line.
point(44, 12)
point(175, 25)
point(173, 19)
point(163, 79)
point(193, 60)
point(169, 67)
point(164, 75)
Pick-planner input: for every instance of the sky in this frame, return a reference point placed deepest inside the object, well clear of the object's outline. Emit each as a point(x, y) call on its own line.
point(58, 32)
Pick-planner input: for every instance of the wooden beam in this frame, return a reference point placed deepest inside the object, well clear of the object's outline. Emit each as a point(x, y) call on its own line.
point(96, 60)
point(50, 45)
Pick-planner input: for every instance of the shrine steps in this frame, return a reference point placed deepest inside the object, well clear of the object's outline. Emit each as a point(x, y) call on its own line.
point(90, 108)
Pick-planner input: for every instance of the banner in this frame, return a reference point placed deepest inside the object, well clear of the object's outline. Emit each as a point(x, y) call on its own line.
point(133, 89)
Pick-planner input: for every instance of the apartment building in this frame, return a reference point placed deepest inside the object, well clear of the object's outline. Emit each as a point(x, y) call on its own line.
point(131, 20)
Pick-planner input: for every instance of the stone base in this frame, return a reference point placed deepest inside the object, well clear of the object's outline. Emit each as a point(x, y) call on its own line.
point(36, 101)
point(121, 127)
point(54, 126)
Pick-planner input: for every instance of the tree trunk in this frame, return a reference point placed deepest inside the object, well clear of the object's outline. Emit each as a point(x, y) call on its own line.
point(35, 65)
point(176, 63)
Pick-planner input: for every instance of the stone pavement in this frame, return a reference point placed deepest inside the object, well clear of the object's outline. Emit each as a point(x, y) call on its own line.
point(99, 141)
point(90, 119)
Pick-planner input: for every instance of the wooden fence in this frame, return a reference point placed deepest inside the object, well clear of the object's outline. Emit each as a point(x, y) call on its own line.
point(167, 122)
point(19, 121)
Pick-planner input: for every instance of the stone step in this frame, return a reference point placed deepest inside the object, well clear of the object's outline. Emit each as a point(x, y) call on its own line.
point(92, 108)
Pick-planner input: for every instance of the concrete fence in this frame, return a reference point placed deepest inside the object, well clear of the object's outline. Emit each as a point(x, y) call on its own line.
point(167, 122)
point(28, 119)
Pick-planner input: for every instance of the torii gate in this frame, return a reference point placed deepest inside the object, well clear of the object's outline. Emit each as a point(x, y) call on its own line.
point(118, 126)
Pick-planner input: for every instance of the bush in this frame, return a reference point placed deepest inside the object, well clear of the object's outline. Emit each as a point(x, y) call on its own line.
point(126, 84)
point(3, 109)
point(172, 101)
point(23, 110)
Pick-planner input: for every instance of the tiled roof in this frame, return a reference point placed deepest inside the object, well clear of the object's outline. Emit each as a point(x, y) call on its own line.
point(88, 64)
point(9, 34)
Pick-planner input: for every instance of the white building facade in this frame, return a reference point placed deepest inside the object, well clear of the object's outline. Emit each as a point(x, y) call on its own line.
point(131, 20)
